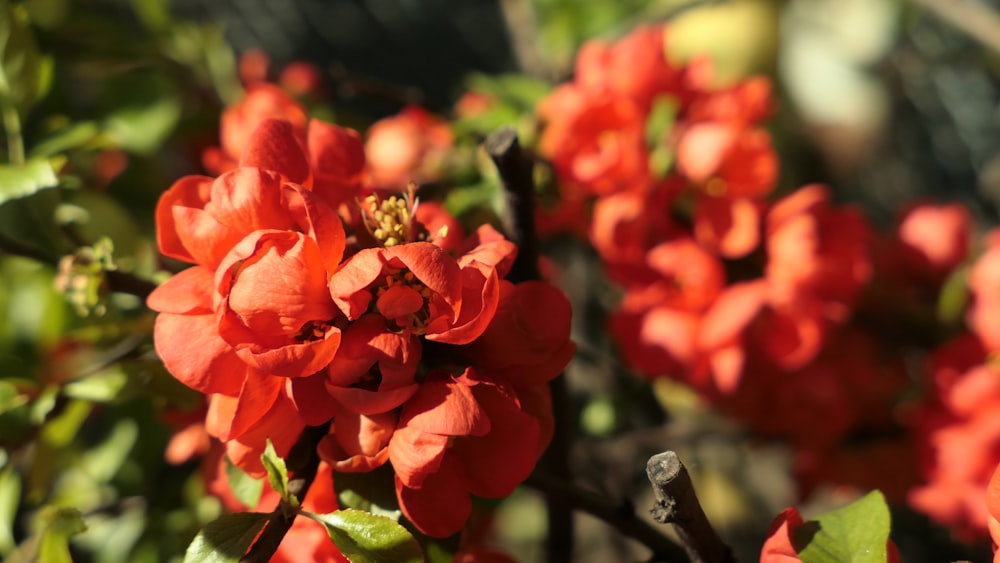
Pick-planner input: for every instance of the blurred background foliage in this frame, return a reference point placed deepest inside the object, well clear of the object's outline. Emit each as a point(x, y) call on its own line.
point(106, 102)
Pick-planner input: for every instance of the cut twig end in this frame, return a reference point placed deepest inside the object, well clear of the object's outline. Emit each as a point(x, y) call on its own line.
point(501, 141)
point(663, 468)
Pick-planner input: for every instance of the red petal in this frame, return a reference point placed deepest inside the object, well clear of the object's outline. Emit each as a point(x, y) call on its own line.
point(189, 191)
point(314, 405)
point(193, 352)
point(495, 464)
point(189, 291)
point(338, 160)
point(480, 296)
point(432, 266)
point(367, 402)
point(349, 285)
point(280, 424)
point(248, 199)
point(415, 454)
point(729, 226)
point(439, 508)
point(399, 301)
point(445, 407)
point(259, 392)
point(320, 222)
point(778, 548)
point(273, 146)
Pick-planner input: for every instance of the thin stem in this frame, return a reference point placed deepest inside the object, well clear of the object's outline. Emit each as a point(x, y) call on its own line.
point(677, 504)
point(12, 127)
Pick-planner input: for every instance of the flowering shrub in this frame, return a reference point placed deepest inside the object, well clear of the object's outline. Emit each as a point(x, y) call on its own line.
point(358, 320)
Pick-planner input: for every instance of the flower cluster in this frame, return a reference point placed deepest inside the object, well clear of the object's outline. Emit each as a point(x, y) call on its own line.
point(734, 295)
point(792, 314)
point(312, 300)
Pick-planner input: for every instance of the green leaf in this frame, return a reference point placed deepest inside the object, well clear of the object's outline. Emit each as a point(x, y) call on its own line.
point(23, 73)
point(661, 119)
point(10, 498)
point(154, 14)
point(516, 89)
point(69, 137)
point(226, 539)
point(60, 523)
point(277, 473)
point(103, 386)
point(954, 297)
point(146, 110)
point(245, 488)
point(856, 533)
point(26, 179)
point(104, 461)
point(373, 491)
point(364, 537)
point(10, 397)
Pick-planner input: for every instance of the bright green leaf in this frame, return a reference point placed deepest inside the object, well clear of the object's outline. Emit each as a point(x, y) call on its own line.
point(226, 539)
point(856, 533)
point(26, 179)
point(277, 473)
point(246, 489)
point(367, 538)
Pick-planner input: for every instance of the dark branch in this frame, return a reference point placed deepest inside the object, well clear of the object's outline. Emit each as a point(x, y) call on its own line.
point(121, 282)
point(620, 516)
point(124, 282)
point(302, 463)
point(677, 504)
point(517, 178)
point(516, 175)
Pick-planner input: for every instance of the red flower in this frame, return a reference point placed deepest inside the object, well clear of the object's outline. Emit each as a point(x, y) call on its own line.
point(730, 227)
point(262, 101)
point(728, 160)
point(817, 252)
point(625, 226)
point(936, 237)
point(527, 341)
point(422, 290)
point(983, 315)
point(958, 429)
point(408, 147)
point(374, 369)
point(459, 436)
point(276, 311)
point(635, 67)
point(596, 143)
point(358, 442)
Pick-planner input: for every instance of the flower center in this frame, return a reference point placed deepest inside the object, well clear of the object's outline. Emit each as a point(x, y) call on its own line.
point(312, 331)
point(405, 300)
